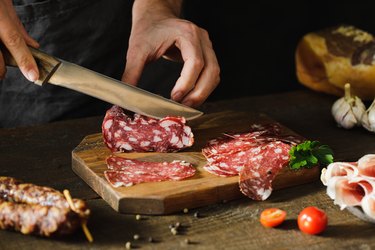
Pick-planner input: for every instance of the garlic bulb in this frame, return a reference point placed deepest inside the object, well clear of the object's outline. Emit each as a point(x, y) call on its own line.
point(348, 110)
point(368, 119)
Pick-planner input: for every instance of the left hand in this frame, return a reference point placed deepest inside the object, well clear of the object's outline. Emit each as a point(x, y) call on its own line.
point(154, 36)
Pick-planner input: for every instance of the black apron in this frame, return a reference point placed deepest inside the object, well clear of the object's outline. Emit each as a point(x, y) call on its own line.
point(91, 33)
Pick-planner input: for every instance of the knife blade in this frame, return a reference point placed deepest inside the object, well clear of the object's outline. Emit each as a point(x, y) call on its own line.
point(69, 75)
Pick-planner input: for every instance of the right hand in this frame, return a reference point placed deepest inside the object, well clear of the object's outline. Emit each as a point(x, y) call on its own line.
point(15, 38)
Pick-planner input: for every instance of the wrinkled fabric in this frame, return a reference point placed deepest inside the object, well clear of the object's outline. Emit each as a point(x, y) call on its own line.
point(90, 33)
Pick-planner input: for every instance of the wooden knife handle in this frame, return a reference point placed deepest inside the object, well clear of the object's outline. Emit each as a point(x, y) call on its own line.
point(46, 64)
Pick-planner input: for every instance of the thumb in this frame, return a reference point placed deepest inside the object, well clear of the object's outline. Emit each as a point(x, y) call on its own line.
point(135, 63)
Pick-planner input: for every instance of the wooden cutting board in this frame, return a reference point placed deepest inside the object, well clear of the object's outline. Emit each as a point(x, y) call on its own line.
point(88, 161)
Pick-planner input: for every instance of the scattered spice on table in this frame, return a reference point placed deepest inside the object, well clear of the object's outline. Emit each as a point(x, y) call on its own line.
point(128, 245)
point(174, 231)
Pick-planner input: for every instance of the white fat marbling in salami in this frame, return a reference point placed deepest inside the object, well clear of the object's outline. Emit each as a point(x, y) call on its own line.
point(257, 176)
point(144, 134)
point(256, 156)
point(127, 172)
point(352, 184)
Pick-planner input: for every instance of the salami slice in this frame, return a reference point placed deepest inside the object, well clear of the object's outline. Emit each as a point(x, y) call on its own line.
point(231, 164)
point(231, 143)
point(256, 177)
point(144, 134)
point(256, 156)
point(128, 172)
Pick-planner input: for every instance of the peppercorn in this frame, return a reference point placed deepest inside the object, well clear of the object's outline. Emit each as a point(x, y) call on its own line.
point(174, 231)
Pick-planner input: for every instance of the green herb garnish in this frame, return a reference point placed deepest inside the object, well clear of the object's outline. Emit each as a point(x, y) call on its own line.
point(309, 154)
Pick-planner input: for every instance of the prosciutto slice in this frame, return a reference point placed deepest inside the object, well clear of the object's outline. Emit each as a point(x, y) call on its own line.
point(352, 184)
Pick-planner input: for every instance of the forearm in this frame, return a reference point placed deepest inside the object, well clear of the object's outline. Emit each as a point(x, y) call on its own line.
point(156, 9)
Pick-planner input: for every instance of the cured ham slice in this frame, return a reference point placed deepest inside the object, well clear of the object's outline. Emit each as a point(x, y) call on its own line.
point(352, 184)
point(138, 133)
point(366, 165)
point(127, 172)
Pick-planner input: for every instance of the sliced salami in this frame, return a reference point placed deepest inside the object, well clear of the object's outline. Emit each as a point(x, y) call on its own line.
point(128, 172)
point(256, 156)
point(144, 134)
point(231, 143)
point(231, 164)
point(256, 177)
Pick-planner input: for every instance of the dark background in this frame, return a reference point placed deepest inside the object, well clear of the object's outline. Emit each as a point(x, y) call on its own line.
point(255, 41)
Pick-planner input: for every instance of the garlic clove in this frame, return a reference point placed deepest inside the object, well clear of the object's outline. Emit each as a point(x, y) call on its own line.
point(368, 119)
point(348, 110)
point(343, 114)
point(359, 109)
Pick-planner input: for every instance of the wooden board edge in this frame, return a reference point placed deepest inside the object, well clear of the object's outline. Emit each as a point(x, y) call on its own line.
point(210, 196)
point(89, 176)
point(219, 194)
point(171, 204)
point(290, 178)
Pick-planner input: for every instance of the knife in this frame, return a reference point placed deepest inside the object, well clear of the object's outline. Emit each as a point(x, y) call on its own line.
point(72, 76)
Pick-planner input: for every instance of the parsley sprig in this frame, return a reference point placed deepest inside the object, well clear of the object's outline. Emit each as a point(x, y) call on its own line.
point(309, 154)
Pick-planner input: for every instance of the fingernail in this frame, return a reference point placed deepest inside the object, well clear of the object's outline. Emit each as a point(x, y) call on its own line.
point(188, 103)
point(177, 96)
point(32, 75)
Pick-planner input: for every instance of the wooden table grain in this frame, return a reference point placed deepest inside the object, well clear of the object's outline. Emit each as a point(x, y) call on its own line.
point(42, 155)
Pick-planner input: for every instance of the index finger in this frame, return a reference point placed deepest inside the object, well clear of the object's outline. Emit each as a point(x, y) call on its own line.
point(208, 79)
point(192, 56)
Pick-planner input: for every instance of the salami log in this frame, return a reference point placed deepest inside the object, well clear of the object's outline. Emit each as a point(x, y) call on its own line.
point(137, 133)
point(127, 172)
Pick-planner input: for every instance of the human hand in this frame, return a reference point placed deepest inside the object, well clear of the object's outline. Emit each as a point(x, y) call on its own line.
point(15, 38)
point(157, 32)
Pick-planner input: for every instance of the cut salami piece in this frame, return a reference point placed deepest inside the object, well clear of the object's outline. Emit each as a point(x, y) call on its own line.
point(128, 172)
point(256, 177)
point(231, 144)
point(257, 156)
point(231, 164)
point(144, 134)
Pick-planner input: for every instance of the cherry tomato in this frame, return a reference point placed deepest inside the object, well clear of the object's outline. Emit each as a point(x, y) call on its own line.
point(312, 220)
point(272, 217)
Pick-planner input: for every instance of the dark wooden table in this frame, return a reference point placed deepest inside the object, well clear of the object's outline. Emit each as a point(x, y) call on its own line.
point(42, 155)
